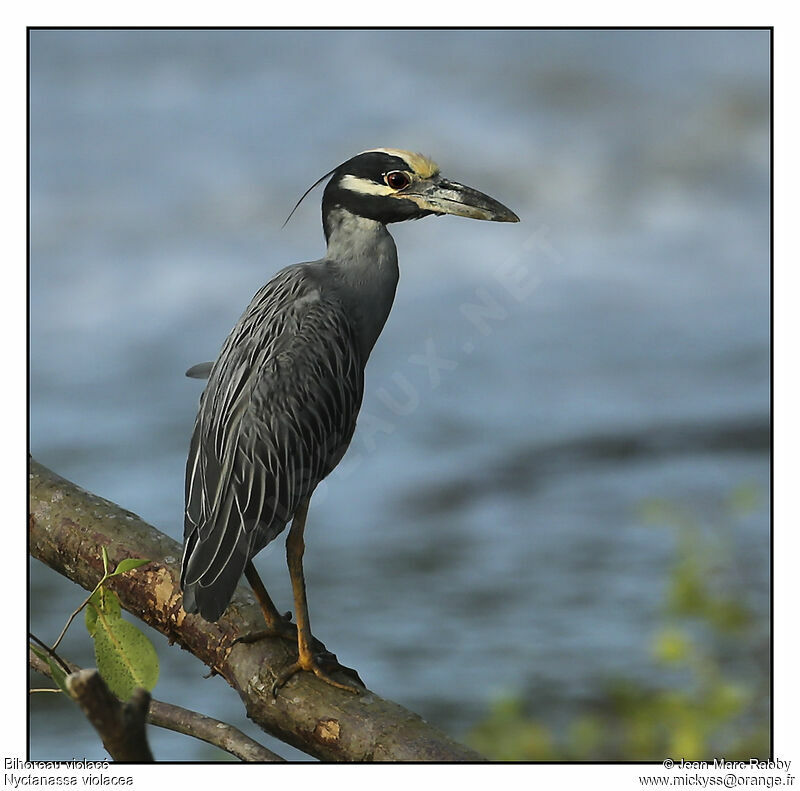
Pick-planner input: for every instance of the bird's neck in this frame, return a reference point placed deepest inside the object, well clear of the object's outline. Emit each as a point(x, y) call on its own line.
point(352, 238)
point(362, 255)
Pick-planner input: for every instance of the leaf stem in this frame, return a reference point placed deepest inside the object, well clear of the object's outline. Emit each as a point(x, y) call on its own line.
point(75, 614)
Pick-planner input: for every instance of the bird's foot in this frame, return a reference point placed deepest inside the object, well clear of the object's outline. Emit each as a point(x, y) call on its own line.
point(286, 630)
point(315, 663)
point(283, 628)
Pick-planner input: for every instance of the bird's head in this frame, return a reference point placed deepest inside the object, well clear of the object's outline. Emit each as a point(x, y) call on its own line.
point(389, 185)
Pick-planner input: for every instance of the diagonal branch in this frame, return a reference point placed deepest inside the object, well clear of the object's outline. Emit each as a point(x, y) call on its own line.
point(67, 528)
point(187, 722)
point(121, 725)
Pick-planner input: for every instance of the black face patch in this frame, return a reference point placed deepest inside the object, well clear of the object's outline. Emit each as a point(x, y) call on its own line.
point(370, 165)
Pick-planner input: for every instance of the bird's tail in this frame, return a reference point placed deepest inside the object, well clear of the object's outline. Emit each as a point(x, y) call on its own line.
point(210, 573)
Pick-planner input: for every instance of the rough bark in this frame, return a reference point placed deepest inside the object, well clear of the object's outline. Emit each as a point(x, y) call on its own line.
point(67, 528)
point(121, 725)
point(190, 723)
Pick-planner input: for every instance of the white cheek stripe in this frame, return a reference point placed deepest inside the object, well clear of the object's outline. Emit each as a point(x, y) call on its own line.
point(364, 186)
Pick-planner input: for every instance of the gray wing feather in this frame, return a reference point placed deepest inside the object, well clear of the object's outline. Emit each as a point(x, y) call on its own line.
point(276, 417)
point(200, 371)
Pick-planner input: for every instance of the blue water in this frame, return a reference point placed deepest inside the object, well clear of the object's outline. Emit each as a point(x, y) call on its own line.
point(483, 534)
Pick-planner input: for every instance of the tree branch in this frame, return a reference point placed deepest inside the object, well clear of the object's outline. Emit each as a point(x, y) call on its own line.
point(188, 722)
point(120, 725)
point(67, 527)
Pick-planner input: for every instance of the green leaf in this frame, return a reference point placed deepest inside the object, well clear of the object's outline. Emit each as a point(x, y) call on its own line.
point(59, 676)
point(128, 565)
point(43, 655)
point(55, 669)
point(104, 553)
point(90, 615)
point(671, 645)
point(744, 499)
point(125, 657)
point(104, 601)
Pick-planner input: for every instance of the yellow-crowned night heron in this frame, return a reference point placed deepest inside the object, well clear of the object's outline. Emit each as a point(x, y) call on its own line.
point(282, 398)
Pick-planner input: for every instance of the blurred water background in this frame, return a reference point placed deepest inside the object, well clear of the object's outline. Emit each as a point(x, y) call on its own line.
point(483, 536)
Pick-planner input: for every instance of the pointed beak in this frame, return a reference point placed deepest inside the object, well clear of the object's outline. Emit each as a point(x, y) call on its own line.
point(441, 196)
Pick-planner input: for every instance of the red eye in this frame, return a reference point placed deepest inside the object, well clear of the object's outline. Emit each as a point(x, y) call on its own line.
point(396, 179)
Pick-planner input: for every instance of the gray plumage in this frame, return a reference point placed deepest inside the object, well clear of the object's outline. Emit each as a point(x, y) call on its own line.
point(281, 402)
point(280, 406)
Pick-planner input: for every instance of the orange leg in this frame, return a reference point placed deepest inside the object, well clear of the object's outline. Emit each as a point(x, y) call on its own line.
point(277, 625)
point(307, 660)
